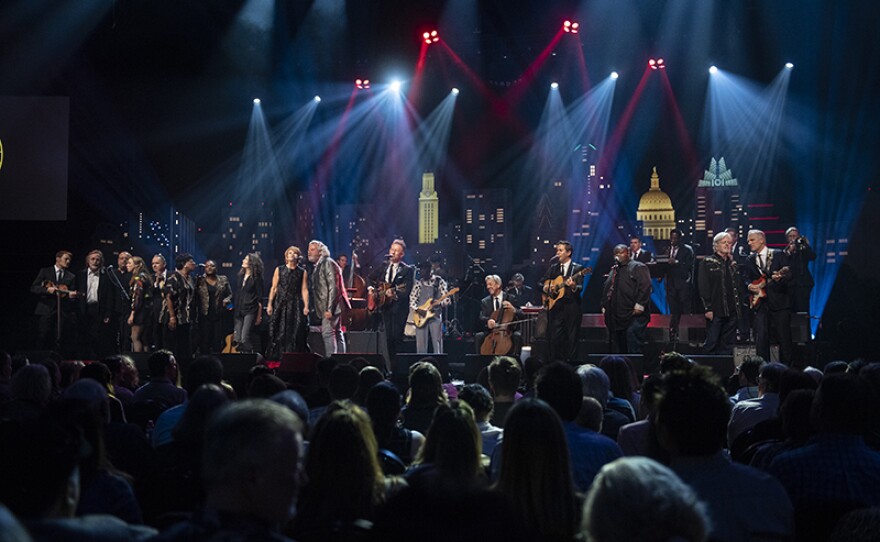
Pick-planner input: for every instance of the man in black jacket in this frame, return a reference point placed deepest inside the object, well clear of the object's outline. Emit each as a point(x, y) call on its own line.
point(625, 297)
point(719, 285)
point(800, 254)
point(769, 275)
point(565, 315)
point(679, 281)
point(97, 306)
point(52, 283)
point(397, 280)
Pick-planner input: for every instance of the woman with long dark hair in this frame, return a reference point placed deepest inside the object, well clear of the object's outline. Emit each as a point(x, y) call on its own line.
point(288, 306)
point(536, 472)
point(248, 301)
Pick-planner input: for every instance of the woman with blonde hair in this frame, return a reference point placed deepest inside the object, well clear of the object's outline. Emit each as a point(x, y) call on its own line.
point(288, 306)
point(140, 300)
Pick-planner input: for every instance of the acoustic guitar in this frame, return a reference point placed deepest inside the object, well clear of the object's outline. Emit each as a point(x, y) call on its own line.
point(229, 347)
point(425, 311)
point(556, 287)
point(379, 299)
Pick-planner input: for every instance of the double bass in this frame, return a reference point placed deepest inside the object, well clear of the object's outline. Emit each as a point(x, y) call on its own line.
point(355, 319)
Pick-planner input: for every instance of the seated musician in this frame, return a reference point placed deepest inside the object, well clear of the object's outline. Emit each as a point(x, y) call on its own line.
point(491, 315)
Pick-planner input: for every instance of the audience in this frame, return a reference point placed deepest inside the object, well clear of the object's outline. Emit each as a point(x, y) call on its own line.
point(504, 379)
point(480, 400)
point(163, 387)
point(559, 386)
point(536, 472)
point(425, 395)
point(597, 385)
point(31, 389)
point(636, 499)
point(451, 458)
point(743, 503)
point(746, 414)
point(383, 405)
point(203, 370)
point(640, 438)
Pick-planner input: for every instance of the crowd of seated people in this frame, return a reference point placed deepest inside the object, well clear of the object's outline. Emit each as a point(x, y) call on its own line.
point(584, 452)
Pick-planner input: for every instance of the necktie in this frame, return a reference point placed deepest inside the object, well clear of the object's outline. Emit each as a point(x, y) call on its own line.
point(761, 261)
point(497, 304)
point(58, 276)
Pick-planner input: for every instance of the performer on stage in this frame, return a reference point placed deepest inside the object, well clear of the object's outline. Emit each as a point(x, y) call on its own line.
point(565, 315)
point(429, 287)
point(395, 282)
point(215, 294)
point(625, 297)
point(719, 285)
point(52, 283)
point(139, 292)
point(800, 254)
point(288, 306)
point(156, 332)
point(679, 281)
point(179, 310)
point(329, 297)
point(769, 276)
point(520, 294)
point(740, 254)
point(97, 307)
point(248, 302)
point(636, 252)
point(490, 307)
point(121, 278)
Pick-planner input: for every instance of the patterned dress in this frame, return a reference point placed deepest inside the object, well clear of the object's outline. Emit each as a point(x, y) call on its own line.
point(288, 327)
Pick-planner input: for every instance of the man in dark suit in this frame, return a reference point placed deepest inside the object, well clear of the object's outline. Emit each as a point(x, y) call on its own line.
point(491, 315)
point(679, 281)
point(399, 276)
point(800, 254)
point(97, 305)
point(625, 297)
point(774, 310)
point(636, 252)
point(520, 294)
point(740, 254)
point(565, 316)
point(54, 283)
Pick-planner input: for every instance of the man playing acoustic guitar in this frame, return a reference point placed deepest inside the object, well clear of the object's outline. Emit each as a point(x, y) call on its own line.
point(768, 275)
point(564, 314)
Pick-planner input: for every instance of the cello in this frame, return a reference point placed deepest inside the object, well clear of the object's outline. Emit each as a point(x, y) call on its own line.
point(356, 318)
point(499, 341)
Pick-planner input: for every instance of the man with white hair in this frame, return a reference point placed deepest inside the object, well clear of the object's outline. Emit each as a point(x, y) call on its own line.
point(719, 284)
point(328, 296)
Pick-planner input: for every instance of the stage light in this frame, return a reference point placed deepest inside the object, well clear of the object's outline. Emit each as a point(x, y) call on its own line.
point(713, 70)
point(455, 92)
point(615, 75)
point(657, 64)
point(256, 101)
point(395, 86)
point(554, 84)
point(362, 83)
point(571, 27)
point(789, 65)
point(317, 99)
point(431, 37)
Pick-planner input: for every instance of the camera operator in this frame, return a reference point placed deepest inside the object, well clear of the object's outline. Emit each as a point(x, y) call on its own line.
point(800, 254)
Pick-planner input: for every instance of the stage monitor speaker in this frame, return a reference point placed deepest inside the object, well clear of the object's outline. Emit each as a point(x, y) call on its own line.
point(36, 356)
point(298, 362)
point(376, 360)
point(236, 368)
point(364, 342)
point(404, 361)
point(721, 365)
point(473, 364)
point(637, 361)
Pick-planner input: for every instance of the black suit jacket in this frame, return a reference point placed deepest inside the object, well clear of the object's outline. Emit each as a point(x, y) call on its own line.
point(777, 291)
point(405, 278)
point(521, 296)
point(798, 260)
point(680, 274)
point(487, 308)
point(644, 256)
point(107, 294)
point(46, 302)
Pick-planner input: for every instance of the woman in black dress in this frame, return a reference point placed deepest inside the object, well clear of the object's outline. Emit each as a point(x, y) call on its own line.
point(140, 300)
point(288, 307)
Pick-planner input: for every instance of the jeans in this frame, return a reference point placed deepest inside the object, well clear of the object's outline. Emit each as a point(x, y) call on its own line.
point(331, 332)
point(242, 331)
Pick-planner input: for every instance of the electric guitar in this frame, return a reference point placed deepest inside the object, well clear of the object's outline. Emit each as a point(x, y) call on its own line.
point(556, 287)
point(761, 283)
point(425, 311)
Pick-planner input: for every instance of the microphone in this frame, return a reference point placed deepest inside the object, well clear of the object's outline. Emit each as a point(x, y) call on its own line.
point(554, 259)
point(201, 265)
point(386, 257)
point(109, 266)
